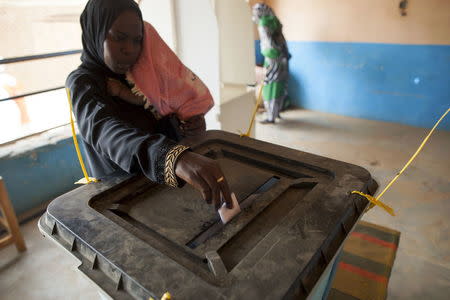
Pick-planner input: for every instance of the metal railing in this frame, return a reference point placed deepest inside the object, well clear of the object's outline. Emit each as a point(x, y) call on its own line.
point(35, 57)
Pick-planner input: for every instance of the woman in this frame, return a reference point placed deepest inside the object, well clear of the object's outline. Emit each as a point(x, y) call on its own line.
point(276, 60)
point(120, 135)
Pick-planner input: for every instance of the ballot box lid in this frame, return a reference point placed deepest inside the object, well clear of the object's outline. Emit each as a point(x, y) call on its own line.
point(138, 239)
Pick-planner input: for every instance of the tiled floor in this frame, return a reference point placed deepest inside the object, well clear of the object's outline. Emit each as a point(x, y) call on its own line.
point(421, 198)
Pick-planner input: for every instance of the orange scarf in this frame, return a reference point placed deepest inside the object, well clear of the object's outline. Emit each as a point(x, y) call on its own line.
point(165, 82)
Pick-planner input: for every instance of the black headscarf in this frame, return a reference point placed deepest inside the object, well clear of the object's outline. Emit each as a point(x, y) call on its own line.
point(96, 20)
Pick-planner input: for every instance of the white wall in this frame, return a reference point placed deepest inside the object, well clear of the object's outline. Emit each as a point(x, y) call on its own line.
point(427, 21)
point(161, 15)
point(236, 41)
point(198, 47)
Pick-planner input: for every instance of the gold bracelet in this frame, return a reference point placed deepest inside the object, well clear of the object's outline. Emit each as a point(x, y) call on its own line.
point(169, 167)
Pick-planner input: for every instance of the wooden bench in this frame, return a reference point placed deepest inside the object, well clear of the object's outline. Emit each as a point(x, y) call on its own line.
point(9, 221)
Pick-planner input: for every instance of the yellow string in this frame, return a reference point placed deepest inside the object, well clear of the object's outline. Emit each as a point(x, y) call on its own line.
point(252, 120)
point(376, 200)
point(166, 296)
point(86, 179)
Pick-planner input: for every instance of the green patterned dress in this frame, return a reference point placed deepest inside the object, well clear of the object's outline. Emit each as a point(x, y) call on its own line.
point(276, 60)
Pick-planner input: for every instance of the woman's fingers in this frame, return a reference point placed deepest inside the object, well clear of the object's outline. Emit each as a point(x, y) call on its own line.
point(205, 175)
point(215, 189)
point(225, 189)
point(113, 87)
point(204, 189)
point(201, 185)
point(220, 190)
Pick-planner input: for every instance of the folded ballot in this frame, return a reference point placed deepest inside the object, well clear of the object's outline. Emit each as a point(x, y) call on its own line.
point(227, 214)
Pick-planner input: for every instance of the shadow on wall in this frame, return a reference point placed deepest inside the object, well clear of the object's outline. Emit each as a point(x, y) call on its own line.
point(388, 82)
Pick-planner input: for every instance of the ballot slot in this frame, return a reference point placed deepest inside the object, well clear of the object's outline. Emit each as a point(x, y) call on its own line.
point(218, 225)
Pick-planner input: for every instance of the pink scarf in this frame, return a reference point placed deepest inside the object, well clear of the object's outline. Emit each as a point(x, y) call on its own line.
point(165, 82)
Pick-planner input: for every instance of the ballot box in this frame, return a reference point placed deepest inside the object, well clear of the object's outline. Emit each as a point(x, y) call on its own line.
point(137, 239)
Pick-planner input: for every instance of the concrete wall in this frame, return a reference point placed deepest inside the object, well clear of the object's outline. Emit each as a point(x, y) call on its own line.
point(363, 59)
point(39, 169)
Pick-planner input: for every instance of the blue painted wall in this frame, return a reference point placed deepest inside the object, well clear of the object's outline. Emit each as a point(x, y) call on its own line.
point(408, 84)
point(40, 175)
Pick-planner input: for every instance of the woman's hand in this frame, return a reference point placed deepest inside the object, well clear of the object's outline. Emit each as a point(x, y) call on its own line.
point(114, 87)
point(193, 126)
point(118, 89)
point(205, 175)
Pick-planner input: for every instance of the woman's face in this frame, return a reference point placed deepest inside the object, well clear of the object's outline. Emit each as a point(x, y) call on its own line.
point(123, 42)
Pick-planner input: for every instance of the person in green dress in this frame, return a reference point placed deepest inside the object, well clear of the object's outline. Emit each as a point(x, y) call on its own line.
point(276, 61)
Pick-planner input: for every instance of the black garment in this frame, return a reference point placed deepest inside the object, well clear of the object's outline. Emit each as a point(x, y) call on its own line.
point(116, 134)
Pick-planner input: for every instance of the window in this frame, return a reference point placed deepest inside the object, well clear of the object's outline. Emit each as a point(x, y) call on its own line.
point(34, 27)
